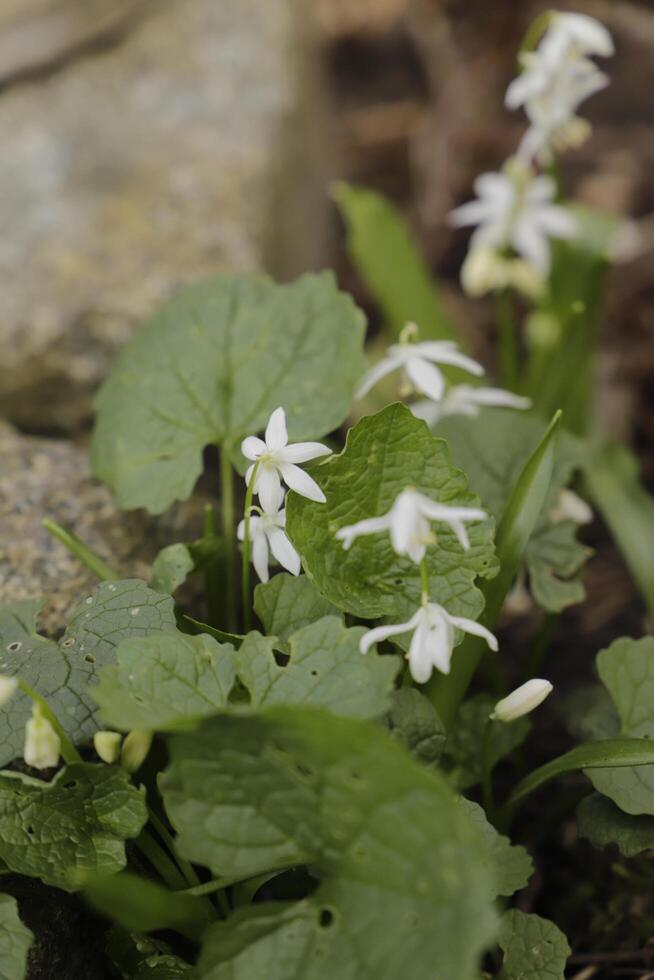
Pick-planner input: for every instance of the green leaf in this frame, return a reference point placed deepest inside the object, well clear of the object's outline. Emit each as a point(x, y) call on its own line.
point(609, 753)
point(62, 672)
point(74, 825)
point(612, 476)
point(492, 450)
point(414, 721)
point(171, 568)
point(383, 454)
point(626, 669)
point(165, 682)
point(211, 366)
point(534, 948)
point(402, 881)
point(510, 865)
point(462, 749)
point(603, 823)
point(146, 906)
point(287, 603)
point(325, 668)
point(15, 941)
point(390, 264)
point(140, 957)
point(519, 519)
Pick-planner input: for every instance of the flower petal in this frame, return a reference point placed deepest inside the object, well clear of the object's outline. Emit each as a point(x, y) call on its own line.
point(375, 374)
point(269, 488)
point(276, 434)
point(260, 554)
point(372, 525)
point(283, 550)
point(426, 378)
point(380, 633)
point(302, 452)
point(252, 447)
point(476, 629)
point(301, 482)
point(420, 661)
point(442, 356)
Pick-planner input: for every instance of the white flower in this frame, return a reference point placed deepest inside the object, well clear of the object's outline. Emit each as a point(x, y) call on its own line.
point(135, 749)
point(432, 641)
point(555, 80)
point(570, 507)
point(107, 745)
point(42, 744)
point(516, 210)
point(267, 533)
point(408, 523)
point(418, 361)
point(521, 701)
point(466, 400)
point(7, 687)
point(277, 460)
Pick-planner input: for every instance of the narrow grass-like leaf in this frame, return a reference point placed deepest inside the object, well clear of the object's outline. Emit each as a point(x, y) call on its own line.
point(15, 941)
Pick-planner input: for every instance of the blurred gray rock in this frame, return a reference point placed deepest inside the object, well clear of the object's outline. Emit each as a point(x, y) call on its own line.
point(150, 144)
point(50, 478)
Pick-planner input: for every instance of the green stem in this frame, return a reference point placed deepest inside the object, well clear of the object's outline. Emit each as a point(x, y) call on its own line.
point(245, 577)
point(160, 860)
point(81, 551)
point(540, 644)
point(184, 866)
point(487, 770)
point(229, 532)
point(508, 340)
point(210, 575)
point(219, 884)
point(68, 751)
point(424, 579)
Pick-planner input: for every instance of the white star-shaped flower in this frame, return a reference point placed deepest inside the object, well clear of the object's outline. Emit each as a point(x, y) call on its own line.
point(556, 78)
point(267, 533)
point(418, 361)
point(516, 210)
point(466, 400)
point(432, 641)
point(278, 461)
point(408, 524)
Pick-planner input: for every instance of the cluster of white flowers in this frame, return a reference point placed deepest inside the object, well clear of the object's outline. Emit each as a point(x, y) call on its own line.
point(273, 460)
point(516, 213)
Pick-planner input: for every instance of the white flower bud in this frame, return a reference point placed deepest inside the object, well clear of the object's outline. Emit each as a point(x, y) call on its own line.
point(107, 745)
point(7, 687)
point(483, 271)
point(135, 748)
point(521, 701)
point(42, 744)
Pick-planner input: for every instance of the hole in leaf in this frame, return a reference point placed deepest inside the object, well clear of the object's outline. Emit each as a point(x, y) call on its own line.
point(30, 830)
point(70, 785)
point(325, 918)
point(90, 659)
point(314, 673)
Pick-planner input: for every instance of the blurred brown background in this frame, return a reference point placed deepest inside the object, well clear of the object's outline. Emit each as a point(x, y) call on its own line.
point(146, 143)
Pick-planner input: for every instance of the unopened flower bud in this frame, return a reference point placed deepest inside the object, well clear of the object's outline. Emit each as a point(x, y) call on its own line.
point(42, 744)
point(107, 745)
point(135, 748)
point(521, 701)
point(7, 687)
point(482, 271)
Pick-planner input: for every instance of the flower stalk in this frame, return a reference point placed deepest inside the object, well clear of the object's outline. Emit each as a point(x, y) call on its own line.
point(229, 533)
point(245, 573)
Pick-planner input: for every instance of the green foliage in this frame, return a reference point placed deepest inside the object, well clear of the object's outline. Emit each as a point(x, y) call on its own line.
point(211, 366)
point(145, 906)
point(166, 681)
point(384, 454)
point(492, 450)
point(603, 823)
point(463, 756)
point(626, 669)
point(390, 263)
point(171, 568)
point(15, 941)
point(287, 603)
point(139, 957)
point(75, 825)
point(413, 720)
point(510, 866)
point(63, 671)
point(534, 948)
point(324, 669)
point(402, 881)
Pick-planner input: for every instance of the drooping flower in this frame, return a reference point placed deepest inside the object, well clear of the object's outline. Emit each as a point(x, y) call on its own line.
point(135, 749)
point(408, 524)
point(8, 686)
point(418, 362)
point(267, 533)
point(521, 701)
point(42, 744)
point(515, 210)
point(107, 745)
point(466, 400)
point(556, 78)
point(432, 641)
point(277, 460)
point(570, 507)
